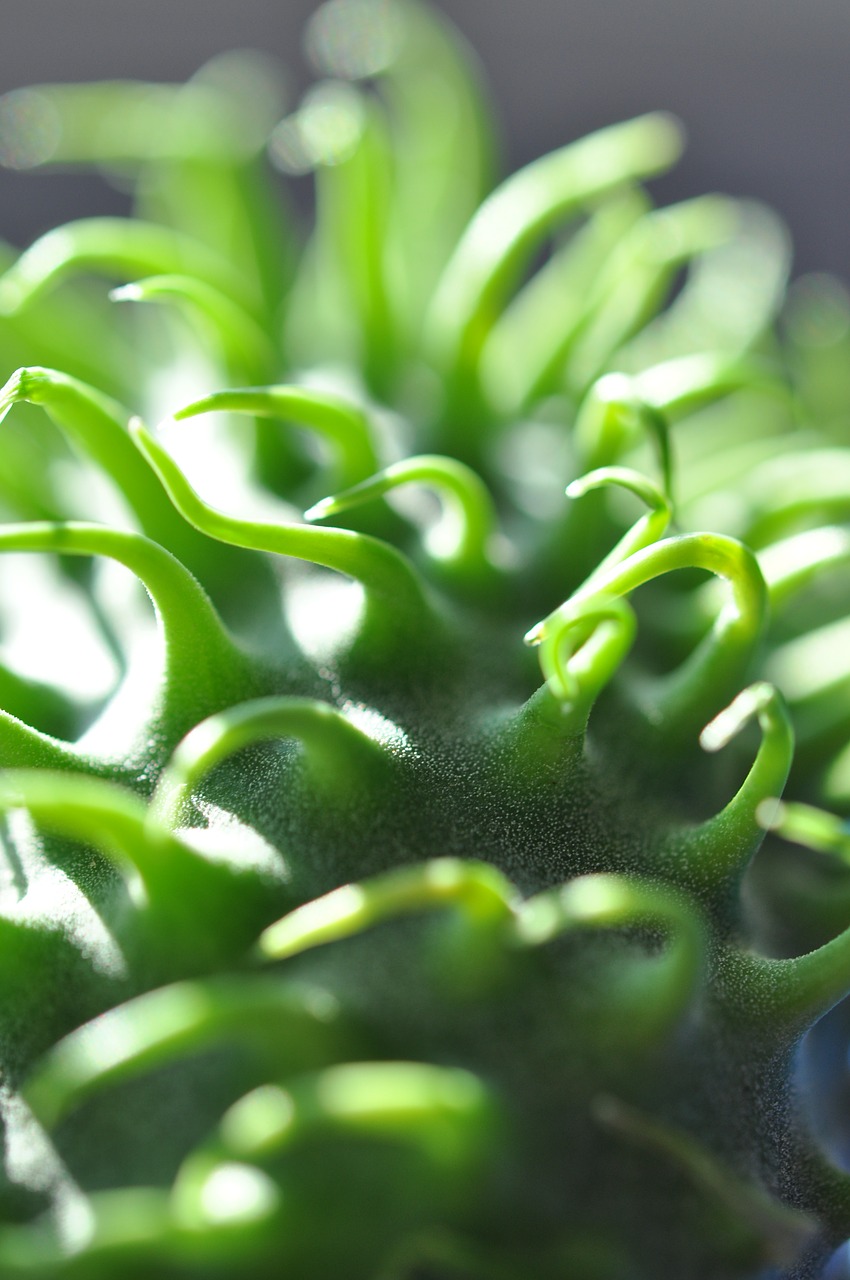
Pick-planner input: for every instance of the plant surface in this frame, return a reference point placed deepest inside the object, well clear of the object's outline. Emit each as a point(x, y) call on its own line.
point(393, 899)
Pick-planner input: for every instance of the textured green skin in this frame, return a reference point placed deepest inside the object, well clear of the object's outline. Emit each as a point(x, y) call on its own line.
point(605, 1081)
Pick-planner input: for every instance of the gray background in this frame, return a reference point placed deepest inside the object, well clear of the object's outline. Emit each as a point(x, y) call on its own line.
point(762, 85)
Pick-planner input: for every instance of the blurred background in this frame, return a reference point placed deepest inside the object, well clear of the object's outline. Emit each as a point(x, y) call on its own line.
point(762, 86)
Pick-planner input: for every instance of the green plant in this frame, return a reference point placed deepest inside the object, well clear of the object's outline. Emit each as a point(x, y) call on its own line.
point(335, 939)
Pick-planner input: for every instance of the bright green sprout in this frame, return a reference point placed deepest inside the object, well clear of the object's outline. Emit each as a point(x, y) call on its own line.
point(410, 894)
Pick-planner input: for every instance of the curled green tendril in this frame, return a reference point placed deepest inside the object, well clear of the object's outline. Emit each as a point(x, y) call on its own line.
point(192, 149)
point(518, 215)
point(246, 347)
point(683, 384)
point(202, 666)
point(476, 889)
point(790, 565)
point(610, 414)
point(443, 1108)
point(637, 275)
point(432, 201)
point(797, 992)
point(111, 246)
point(794, 993)
point(340, 755)
point(396, 610)
point(347, 285)
point(441, 1115)
point(295, 1027)
point(689, 696)
point(580, 652)
point(463, 541)
point(808, 826)
point(524, 356)
point(716, 854)
point(338, 421)
point(403, 46)
point(813, 672)
point(639, 1001)
point(98, 426)
point(649, 528)
point(87, 809)
point(188, 909)
point(793, 488)
point(608, 901)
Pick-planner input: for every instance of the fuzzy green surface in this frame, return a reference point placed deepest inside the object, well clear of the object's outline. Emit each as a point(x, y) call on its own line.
point(393, 899)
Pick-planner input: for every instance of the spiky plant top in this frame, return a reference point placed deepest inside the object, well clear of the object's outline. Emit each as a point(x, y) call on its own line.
point(344, 933)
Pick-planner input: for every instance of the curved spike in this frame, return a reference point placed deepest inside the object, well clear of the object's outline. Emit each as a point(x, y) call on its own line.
point(650, 528)
point(595, 638)
point(346, 299)
point(515, 218)
point(110, 246)
point(608, 901)
point(638, 274)
point(615, 409)
point(192, 910)
point(397, 612)
point(608, 416)
point(715, 854)
point(447, 1115)
point(432, 202)
point(810, 667)
point(535, 740)
point(22, 747)
point(688, 697)
point(683, 384)
point(790, 994)
point(414, 1101)
point(812, 670)
point(805, 825)
point(247, 348)
point(91, 810)
point(480, 892)
point(295, 1027)
point(202, 665)
point(797, 992)
point(791, 564)
point(794, 486)
point(339, 421)
point(98, 426)
point(732, 295)
point(202, 142)
point(523, 358)
point(465, 547)
point(339, 754)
